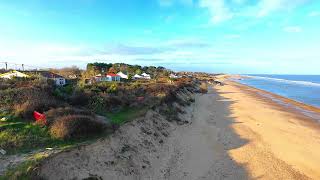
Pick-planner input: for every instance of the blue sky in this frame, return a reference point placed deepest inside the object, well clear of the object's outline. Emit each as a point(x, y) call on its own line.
point(230, 36)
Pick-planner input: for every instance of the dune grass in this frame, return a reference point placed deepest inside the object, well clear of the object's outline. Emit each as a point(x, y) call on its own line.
point(24, 170)
point(126, 115)
point(18, 136)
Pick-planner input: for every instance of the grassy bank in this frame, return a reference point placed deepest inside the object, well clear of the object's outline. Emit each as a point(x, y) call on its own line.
point(126, 115)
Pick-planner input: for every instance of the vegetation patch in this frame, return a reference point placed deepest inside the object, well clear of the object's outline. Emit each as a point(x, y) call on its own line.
point(76, 126)
point(18, 136)
point(126, 115)
point(26, 170)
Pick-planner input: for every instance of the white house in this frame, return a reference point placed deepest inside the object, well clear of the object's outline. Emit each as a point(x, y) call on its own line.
point(12, 74)
point(145, 76)
point(58, 79)
point(113, 77)
point(173, 76)
point(122, 75)
point(137, 76)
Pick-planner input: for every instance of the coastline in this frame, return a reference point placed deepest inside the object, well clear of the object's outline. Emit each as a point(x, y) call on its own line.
point(283, 142)
point(287, 104)
point(233, 133)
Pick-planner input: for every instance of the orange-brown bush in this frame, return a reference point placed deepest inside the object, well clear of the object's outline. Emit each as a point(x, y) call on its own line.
point(203, 88)
point(75, 126)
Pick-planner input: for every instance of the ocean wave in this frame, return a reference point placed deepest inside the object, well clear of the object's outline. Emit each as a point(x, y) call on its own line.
point(305, 83)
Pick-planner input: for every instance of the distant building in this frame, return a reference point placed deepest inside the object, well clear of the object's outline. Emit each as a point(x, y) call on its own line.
point(13, 74)
point(58, 79)
point(146, 76)
point(107, 77)
point(122, 75)
point(173, 76)
point(137, 76)
point(113, 77)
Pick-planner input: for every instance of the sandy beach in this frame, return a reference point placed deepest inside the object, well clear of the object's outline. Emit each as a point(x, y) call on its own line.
point(234, 132)
point(282, 143)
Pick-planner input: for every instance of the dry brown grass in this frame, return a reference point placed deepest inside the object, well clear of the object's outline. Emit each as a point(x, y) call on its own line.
point(203, 88)
point(56, 113)
point(75, 126)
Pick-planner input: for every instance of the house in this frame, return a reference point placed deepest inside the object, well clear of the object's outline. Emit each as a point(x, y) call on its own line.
point(58, 79)
point(12, 74)
point(122, 75)
point(173, 76)
point(137, 76)
point(145, 76)
point(113, 77)
point(104, 78)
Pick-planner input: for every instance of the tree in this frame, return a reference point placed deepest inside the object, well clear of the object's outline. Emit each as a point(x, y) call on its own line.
point(112, 70)
point(138, 71)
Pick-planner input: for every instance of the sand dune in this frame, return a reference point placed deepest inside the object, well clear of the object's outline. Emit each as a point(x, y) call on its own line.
point(234, 133)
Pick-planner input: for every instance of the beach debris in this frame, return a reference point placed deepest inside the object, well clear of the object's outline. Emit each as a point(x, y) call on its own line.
point(3, 152)
point(40, 118)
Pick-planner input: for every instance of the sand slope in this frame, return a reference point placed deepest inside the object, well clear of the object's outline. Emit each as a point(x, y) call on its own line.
point(153, 148)
point(232, 134)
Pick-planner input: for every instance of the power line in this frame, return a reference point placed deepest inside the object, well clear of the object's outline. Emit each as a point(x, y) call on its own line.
point(23, 66)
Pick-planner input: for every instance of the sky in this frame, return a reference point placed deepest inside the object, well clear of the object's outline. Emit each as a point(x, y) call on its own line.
point(219, 36)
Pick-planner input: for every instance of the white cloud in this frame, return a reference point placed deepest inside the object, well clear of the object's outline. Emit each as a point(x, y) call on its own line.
point(218, 9)
point(223, 10)
point(292, 29)
point(314, 13)
point(268, 6)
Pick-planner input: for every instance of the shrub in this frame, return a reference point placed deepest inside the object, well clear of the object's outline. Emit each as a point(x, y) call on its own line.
point(79, 98)
point(203, 88)
point(113, 88)
point(23, 99)
point(54, 114)
point(75, 126)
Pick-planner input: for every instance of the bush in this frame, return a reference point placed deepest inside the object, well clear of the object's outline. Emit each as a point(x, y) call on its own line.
point(203, 88)
point(54, 114)
point(75, 126)
point(79, 98)
point(24, 100)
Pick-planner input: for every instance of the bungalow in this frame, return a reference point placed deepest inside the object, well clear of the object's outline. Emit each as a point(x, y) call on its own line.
point(137, 76)
point(113, 77)
point(58, 79)
point(145, 76)
point(107, 77)
point(12, 74)
point(173, 76)
point(122, 75)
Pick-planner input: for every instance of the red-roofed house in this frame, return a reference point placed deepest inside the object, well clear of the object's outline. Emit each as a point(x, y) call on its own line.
point(113, 77)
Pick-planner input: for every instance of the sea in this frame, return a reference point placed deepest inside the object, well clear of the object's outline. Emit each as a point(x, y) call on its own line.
point(301, 88)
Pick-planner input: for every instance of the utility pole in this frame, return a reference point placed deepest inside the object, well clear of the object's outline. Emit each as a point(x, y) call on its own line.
point(22, 67)
point(6, 66)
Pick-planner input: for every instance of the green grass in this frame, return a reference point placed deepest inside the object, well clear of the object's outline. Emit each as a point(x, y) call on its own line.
point(17, 136)
point(24, 170)
point(126, 115)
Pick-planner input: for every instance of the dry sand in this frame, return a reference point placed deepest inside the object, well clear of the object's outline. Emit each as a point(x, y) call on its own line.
point(282, 143)
point(233, 134)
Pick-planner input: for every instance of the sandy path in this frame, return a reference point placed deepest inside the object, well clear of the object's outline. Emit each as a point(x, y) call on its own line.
point(203, 145)
point(282, 144)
